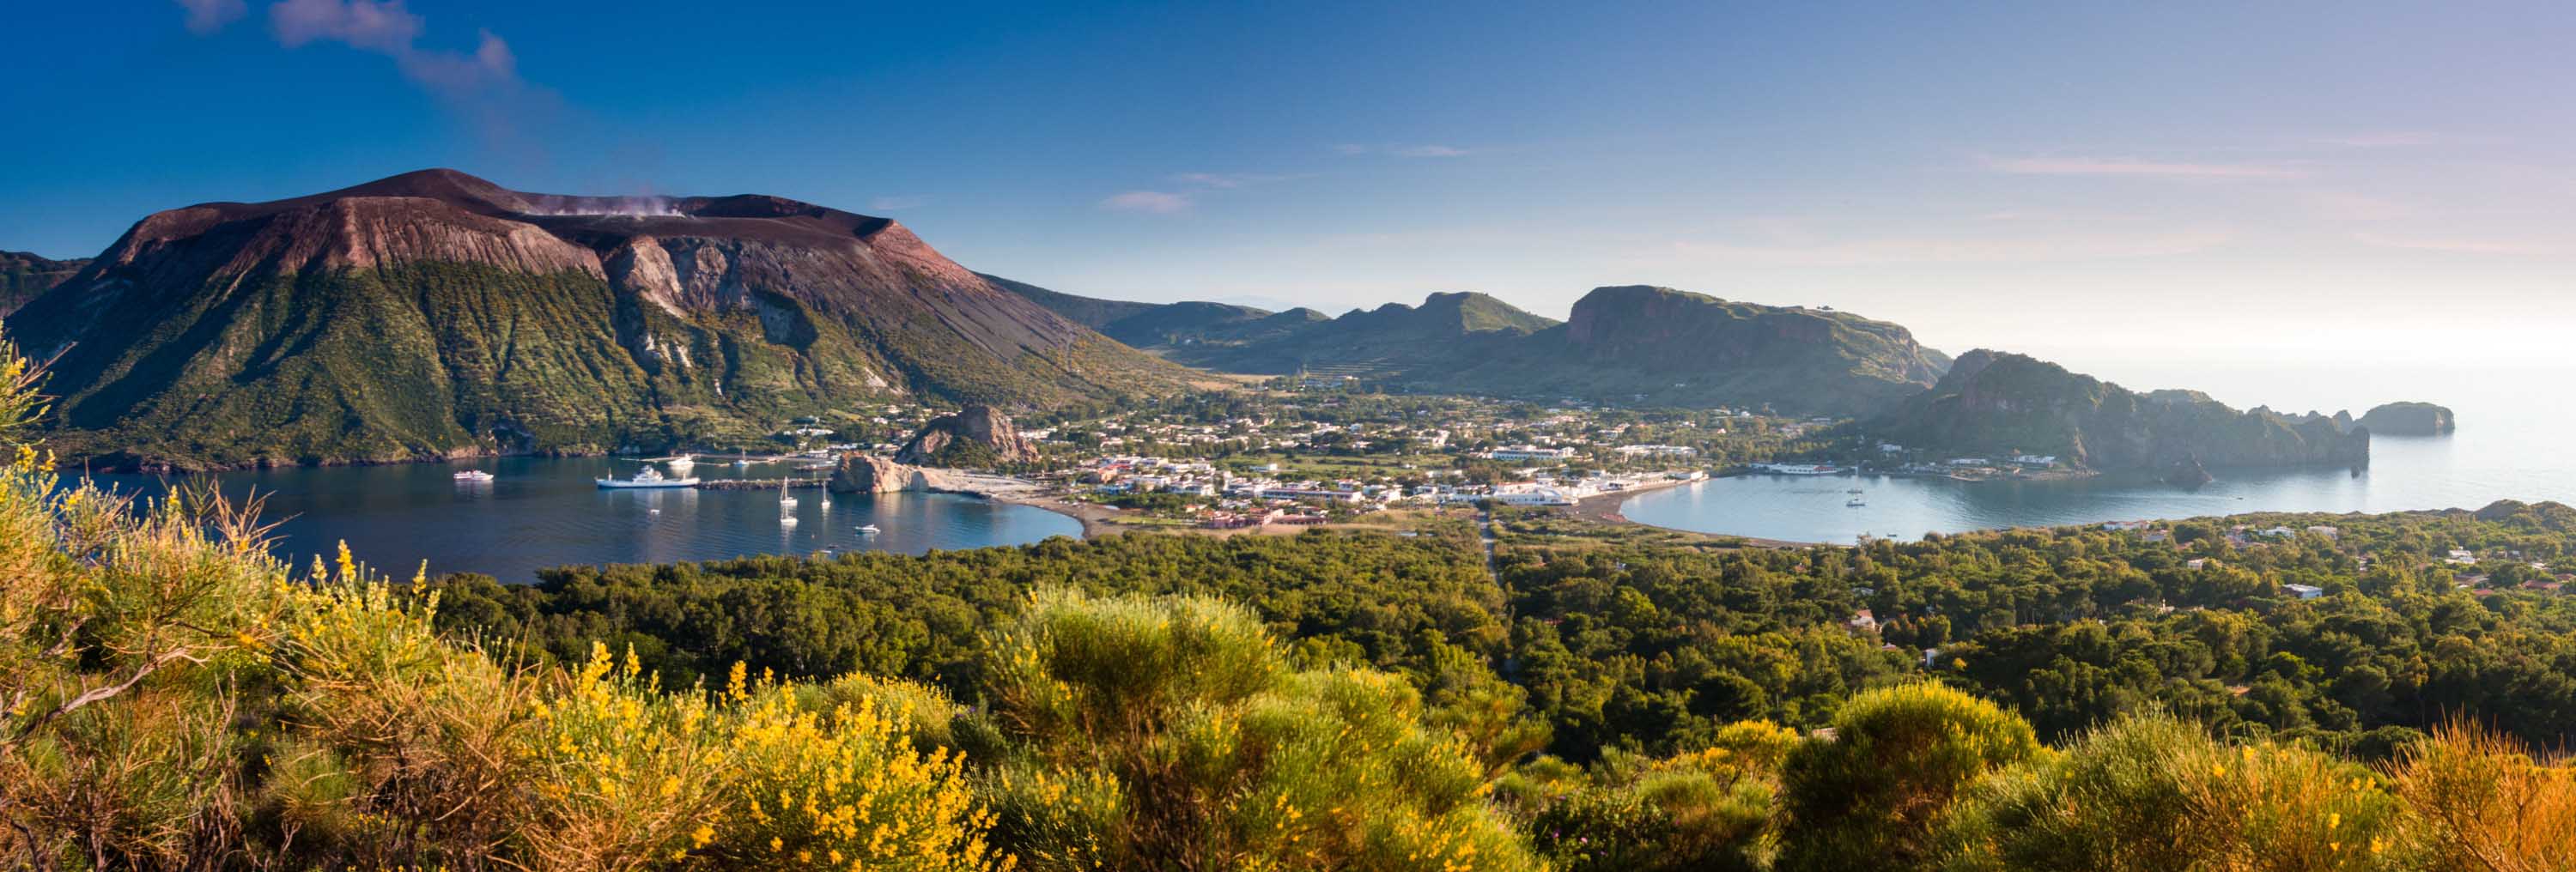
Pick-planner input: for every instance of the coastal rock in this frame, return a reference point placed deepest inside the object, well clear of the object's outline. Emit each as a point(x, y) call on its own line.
point(870, 474)
point(975, 436)
point(2409, 419)
point(1997, 402)
point(2187, 473)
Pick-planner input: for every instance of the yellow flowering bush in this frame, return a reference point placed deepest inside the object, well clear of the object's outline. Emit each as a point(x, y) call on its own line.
point(2480, 800)
point(2155, 793)
point(842, 789)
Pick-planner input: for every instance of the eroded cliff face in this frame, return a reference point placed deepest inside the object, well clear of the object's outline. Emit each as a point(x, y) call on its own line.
point(1666, 330)
point(976, 435)
point(433, 312)
point(1997, 402)
point(869, 474)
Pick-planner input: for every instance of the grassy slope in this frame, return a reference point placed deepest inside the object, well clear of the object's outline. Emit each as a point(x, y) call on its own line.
point(424, 361)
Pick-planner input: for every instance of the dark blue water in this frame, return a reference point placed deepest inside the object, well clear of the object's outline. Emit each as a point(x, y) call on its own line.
point(541, 512)
point(2514, 442)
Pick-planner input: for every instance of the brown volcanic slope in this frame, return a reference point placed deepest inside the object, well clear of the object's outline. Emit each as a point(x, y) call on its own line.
point(436, 313)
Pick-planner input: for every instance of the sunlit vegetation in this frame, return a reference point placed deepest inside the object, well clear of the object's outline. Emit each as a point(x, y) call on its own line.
point(175, 699)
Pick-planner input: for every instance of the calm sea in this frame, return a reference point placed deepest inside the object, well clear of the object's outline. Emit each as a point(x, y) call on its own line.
point(541, 512)
point(2514, 442)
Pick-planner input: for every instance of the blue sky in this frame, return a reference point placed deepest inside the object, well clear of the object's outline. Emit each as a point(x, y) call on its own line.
point(2091, 181)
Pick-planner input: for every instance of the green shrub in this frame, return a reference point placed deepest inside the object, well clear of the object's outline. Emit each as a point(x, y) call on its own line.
point(2154, 793)
point(1867, 794)
point(1171, 733)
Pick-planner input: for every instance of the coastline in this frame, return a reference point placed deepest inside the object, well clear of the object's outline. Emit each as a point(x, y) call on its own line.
point(1603, 508)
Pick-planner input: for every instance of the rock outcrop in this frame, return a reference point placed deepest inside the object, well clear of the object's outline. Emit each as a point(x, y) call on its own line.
point(975, 436)
point(2187, 473)
point(870, 474)
point(2409, 419)
point(1997, 402)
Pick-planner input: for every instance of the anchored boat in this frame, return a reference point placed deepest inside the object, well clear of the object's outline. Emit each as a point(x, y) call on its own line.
point(647, 478)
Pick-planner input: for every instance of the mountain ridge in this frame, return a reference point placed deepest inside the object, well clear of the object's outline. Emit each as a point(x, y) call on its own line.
point(434, 313)
point(1993, 401)
point(1800, 359)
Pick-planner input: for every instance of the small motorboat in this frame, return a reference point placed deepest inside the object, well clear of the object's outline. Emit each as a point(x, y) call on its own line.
point(870, 529)
point(472, 475)
point(648, 477)
point(741, 462)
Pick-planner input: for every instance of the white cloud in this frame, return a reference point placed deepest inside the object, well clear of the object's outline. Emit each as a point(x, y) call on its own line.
point(1955, 249)
point(1149, 202)
point(389, 29)
point(383, 27)
point(2139, 167)
point(2349, 206)
point(2452, 245)
point(208, 16)
point(2393, 139)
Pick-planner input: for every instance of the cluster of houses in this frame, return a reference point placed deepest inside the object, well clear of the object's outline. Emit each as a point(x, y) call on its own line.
point(1127, 474)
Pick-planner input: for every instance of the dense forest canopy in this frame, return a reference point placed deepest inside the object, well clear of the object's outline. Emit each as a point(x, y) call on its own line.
point(2261, 693)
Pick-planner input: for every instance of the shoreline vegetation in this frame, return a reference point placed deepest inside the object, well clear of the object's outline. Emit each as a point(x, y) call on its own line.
point(1510, 699)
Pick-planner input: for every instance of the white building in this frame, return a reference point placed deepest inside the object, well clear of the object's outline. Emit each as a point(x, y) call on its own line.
point(1537, 496)
point(2304, 591)
point(1531, 452)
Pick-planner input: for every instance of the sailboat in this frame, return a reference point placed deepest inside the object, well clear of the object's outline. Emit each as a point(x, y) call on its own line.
point(1855, 502)
point(785, 500)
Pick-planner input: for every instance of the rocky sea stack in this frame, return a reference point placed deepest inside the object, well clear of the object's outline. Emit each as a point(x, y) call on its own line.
point(2409, 419)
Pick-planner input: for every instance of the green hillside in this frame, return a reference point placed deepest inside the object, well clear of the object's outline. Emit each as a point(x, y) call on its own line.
point(1992, 402)
point(435, 314)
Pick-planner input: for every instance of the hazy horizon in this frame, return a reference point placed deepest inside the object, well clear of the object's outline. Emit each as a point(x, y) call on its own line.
point(2103, 187)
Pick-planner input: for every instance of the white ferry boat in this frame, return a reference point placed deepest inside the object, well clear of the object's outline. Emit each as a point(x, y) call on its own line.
point(1801, 468)
point(647, 478)
point(472, 475)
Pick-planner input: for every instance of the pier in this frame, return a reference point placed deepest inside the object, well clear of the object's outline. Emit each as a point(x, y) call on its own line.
point(759, 483)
